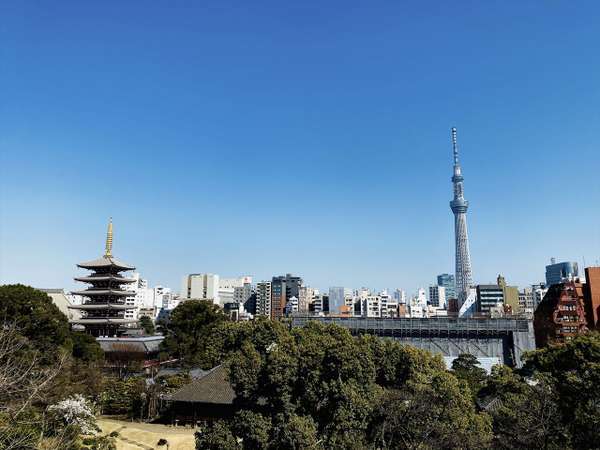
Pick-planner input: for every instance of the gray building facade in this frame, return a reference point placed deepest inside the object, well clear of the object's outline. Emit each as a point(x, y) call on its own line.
point(489, 296)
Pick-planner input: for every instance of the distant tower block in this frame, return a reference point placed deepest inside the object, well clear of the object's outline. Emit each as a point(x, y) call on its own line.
point(459, 206)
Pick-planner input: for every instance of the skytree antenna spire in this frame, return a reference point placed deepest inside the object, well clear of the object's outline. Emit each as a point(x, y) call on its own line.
point(454, 146)
point(459, 207)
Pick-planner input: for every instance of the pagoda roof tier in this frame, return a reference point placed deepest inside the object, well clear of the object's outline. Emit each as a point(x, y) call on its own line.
point(105, 277)
point(105, 262)
point(113, 292)
point(99, 321)
point(92, 306)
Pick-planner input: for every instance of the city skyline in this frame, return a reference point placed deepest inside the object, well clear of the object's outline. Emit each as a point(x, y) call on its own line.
point(249, 141)
point(324, 289)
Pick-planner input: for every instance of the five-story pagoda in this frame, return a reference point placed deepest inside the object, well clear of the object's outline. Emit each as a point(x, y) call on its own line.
point(103, 310)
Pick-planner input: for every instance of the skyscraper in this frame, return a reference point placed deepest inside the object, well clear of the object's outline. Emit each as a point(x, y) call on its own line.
point(283, 288)
point(437, 296)
point(459, 207)
point(201, 286)
point(558, 272)
point(263, 298)
point(447, 281)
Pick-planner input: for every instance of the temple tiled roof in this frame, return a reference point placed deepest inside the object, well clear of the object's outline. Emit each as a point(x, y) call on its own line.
point(142, 344)
point(101, 321)
point(94, 306)
point(103, 277)
point(194, 373)
point(214, 388)
point(105, 261)
point(103, 292)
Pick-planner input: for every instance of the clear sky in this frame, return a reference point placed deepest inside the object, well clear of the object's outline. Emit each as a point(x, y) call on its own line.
point(312, 137)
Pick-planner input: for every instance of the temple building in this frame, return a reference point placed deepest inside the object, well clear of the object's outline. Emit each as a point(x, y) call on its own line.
point(103, 308)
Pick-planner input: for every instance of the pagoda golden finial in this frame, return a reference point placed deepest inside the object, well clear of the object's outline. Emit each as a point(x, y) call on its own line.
point(109, 239)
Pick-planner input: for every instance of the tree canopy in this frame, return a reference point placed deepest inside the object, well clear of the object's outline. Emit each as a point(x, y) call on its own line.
point(147, 325)
point(41, 362)
point(320, 387)
point(38, 319)
point(188, 330)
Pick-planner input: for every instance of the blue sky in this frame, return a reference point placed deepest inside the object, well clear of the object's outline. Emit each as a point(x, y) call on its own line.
point(307, 137)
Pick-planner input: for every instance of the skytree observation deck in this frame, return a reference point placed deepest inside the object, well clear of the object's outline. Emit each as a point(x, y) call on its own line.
point(103, 311)
point(492, 341)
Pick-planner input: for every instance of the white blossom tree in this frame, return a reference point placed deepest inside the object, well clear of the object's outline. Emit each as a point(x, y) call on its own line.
point(76, 412)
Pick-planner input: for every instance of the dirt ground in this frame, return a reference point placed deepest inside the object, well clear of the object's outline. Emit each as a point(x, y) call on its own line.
point(136, 436)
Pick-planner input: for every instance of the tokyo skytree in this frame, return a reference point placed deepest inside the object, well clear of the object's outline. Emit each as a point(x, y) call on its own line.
point(459, 207)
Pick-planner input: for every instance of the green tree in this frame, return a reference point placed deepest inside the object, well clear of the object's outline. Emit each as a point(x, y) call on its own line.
point(575, 367)
point(466, 367)
point(527, 416)
point(226, 337)
point(188, 331)
point(123, 397)
point(294, 432)
point(36, 318)
point(435, 411)
point(217, 436)
point(86, 348)
point(317, 371)
point(245, 372)
point(147, 325)
point(397, 363)
point(253, 428)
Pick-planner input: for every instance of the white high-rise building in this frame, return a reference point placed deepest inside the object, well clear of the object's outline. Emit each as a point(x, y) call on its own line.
point(539, 291)
point(388, 305)
point(164, 298)
point(140, 296)
point(400, 296)
point(416, 310)
point(263, 298)
point(349, 301)
point(362, 293)
point(201, 286)
point(421, 299)
point(526, 301)
point(227, 288)
point(241, 294)
point(291, 306)
point(437, 296)
point(318, 306)
point(305, 298)
point(371, 306)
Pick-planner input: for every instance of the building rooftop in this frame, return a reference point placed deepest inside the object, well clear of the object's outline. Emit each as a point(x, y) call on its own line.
point(104, 292)
point(105, 261)
point(214, 387)
point(60, 299)
point(105, 277)
point(138, 344)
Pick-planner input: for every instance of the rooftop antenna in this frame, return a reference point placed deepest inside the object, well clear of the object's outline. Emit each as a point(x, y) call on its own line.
point(109, 239)
point(454, 146)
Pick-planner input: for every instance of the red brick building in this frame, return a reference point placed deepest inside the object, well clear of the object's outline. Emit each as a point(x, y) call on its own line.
point(592, 297)
point(561, 315)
